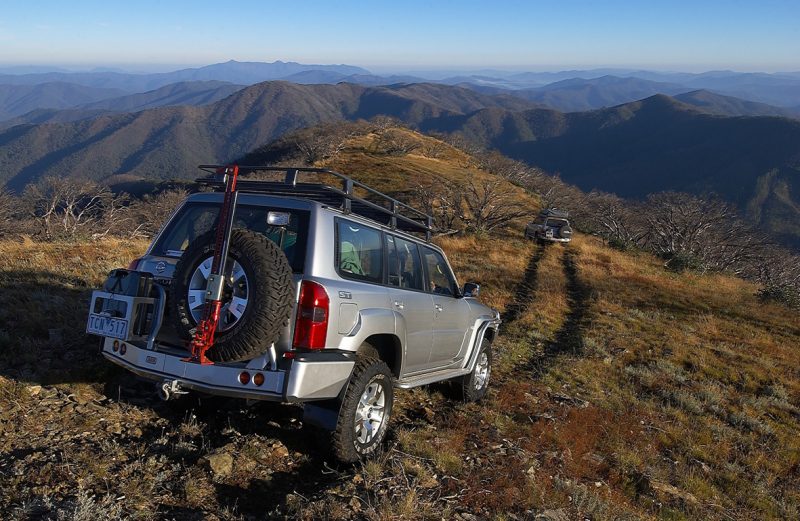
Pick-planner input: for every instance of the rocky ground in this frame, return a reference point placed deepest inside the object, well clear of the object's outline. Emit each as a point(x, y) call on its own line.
point(619, 391)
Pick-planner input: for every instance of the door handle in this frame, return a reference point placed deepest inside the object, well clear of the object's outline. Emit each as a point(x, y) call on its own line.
point(437, 307)
point(398, 304)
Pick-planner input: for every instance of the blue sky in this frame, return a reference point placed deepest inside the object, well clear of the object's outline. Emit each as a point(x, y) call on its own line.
point(407, 35)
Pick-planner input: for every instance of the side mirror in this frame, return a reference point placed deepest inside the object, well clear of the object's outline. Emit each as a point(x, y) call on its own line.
point(471, 289)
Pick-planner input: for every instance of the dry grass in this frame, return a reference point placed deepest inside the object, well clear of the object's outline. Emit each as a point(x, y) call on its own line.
point(620, 390)
point(44, 298)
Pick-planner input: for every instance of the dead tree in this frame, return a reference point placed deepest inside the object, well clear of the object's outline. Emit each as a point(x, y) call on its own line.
point(152, 211)
point(62, 206)
point(620, 222)
point(490, 204)
point(321, 142)
point(704, 231)
point(443, 201)
point(396, 143)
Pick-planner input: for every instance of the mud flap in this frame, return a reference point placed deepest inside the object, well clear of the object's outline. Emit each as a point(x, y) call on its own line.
point(322, 414)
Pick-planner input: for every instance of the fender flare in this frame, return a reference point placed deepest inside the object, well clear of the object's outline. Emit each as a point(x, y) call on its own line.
point(485, 325)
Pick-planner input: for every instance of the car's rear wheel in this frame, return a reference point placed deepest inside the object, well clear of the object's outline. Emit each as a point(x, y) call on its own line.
point(364, 412)
point(257, 297)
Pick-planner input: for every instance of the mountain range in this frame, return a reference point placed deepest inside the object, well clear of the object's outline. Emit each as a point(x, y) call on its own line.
point(193, 93)
point(688, 142)
point(656, 144)
point(244, 73)
point(168, 142)
point(567, 91)
point(16, 100)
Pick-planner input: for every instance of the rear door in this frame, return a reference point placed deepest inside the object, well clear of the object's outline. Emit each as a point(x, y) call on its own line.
point(408, 298)
point(450, 314)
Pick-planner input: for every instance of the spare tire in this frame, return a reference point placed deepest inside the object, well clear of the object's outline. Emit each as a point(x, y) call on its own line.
point(257, 299)
point(565, 232)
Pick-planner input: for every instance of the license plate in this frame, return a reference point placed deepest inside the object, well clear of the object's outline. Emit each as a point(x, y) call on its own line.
point(107, 326)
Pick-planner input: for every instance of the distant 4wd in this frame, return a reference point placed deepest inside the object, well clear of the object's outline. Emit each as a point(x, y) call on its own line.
point(325, 297)
point(550, 225)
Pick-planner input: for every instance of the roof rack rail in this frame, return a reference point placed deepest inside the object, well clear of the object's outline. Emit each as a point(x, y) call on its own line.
point(383, 208)
point(554, 212)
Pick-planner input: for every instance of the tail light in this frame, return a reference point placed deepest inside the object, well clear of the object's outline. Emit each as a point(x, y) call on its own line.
point(134, 264)
point(311, 326)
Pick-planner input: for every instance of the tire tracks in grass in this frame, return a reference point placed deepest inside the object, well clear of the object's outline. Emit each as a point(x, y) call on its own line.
point(523, 297)
point(569, 339)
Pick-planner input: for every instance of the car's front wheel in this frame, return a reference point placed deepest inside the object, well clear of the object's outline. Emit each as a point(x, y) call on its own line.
point(475, 384)
point(364, 412)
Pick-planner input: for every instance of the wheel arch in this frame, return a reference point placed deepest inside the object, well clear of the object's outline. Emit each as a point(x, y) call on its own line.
point(386, 347)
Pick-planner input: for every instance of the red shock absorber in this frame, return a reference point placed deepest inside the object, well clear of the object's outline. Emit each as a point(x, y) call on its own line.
point(207, 327)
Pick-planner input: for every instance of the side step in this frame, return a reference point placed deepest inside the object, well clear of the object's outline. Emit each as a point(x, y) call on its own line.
point(429, 378)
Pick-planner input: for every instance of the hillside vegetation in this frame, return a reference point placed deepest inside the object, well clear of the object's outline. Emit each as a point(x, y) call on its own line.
point(619, 391)
point(633, 150)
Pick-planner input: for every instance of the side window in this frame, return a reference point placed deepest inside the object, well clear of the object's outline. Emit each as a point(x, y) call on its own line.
point(440, 279)
point(359, 253)
point(405, 267)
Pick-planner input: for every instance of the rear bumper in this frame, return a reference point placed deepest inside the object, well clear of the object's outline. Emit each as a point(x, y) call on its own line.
point(308, 378)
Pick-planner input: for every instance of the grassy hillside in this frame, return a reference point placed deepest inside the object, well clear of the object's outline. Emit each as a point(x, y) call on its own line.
point(619, 390)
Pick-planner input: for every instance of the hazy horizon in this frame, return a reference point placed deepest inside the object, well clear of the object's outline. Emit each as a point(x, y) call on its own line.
point(469, 35)
point(443, 71)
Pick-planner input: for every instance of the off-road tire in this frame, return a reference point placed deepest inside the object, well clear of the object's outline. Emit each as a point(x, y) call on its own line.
point(468, 389)
point(346, 446)
point(270, 295)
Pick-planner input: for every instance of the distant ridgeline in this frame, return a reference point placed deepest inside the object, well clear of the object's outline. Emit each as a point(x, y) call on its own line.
point(633, 149)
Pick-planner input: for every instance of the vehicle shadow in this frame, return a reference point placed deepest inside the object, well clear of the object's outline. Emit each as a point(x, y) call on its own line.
point(273, 454)
point(42, 337)
point(525, 289)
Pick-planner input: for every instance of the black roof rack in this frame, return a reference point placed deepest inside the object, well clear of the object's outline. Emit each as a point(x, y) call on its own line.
point(381, 208)
point(554, 212)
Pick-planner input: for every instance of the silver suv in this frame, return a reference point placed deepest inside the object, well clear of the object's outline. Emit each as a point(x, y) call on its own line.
point(551, 225)
point(329, 298)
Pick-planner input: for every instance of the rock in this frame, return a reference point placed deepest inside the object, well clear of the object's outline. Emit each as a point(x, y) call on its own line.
point(552, 515)
point(34, 390)
point(280, 450)
point(221, 464)
point(674, 491)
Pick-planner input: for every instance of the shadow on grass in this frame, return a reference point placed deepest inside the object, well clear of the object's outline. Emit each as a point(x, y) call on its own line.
point(42, 323)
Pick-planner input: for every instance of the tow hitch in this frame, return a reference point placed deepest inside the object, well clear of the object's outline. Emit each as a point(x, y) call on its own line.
point(169, 389)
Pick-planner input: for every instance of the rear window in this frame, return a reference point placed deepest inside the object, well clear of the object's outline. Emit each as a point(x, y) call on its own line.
point(195, 219)
point(556, 223)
